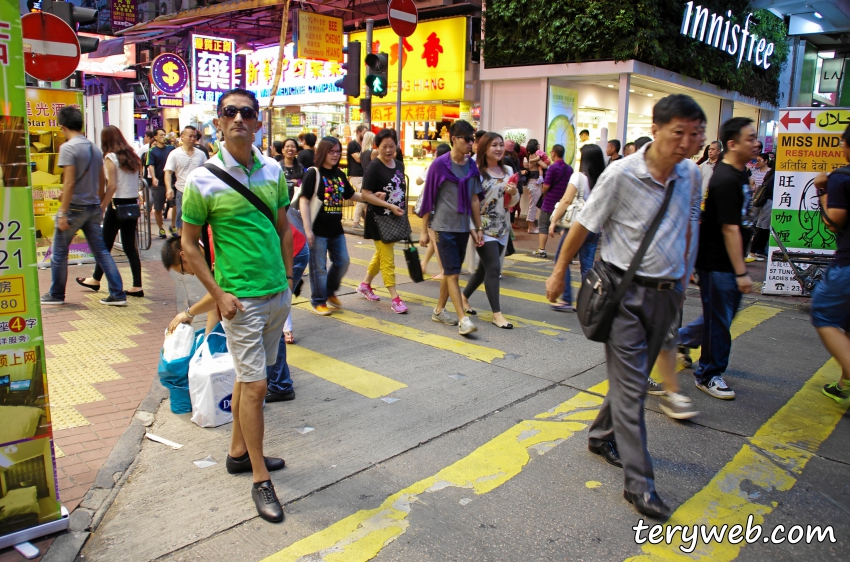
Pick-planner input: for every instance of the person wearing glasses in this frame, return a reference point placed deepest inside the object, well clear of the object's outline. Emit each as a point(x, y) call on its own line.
point(254, 259)
point(324, 232)
point(453, 181)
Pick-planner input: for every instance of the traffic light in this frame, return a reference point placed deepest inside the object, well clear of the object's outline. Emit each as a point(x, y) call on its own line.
point(73, 15)
point(376, 80)
point(350, 83)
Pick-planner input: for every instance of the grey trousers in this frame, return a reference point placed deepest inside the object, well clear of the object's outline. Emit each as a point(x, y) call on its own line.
point(637, 334)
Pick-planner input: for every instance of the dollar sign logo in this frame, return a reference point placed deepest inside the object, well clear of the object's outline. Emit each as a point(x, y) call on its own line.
point(170, 70)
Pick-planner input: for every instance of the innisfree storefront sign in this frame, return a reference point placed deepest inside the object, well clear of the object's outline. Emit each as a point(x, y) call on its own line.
point(722, 33)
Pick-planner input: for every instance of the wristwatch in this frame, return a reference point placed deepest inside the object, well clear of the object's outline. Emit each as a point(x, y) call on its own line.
point(191, 317)
point(59, 214)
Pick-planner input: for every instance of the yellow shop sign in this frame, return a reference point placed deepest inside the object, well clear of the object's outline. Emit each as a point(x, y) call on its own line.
point(409, 112)
point(433, 60)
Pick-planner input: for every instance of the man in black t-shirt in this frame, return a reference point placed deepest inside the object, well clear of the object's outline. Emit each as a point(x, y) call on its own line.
point(157, 156)
point(723, 276)
point(305, 157)
point(355, 169)
point(831, 297)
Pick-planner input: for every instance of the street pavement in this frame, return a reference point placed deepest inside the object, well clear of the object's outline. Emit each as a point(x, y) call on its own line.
point(408, 442)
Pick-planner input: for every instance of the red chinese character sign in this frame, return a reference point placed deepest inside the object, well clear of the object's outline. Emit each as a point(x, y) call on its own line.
point(403, 17)
point(212, 68)
point(27, 470)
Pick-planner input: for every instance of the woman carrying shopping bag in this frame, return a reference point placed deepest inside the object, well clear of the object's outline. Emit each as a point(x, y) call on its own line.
point(500, 193)
point(386, 217)
point(121, 205)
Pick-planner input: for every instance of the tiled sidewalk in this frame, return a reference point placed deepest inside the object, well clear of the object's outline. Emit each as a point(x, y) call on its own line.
point(101, 361)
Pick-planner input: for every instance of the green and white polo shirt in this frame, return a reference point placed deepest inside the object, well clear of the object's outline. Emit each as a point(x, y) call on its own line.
point(247, 247)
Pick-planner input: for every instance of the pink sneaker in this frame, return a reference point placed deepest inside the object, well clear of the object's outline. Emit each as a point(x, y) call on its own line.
point(366, 290)
point(398, 306)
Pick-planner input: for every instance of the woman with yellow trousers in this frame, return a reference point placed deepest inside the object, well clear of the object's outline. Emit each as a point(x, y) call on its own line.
point(384, 175)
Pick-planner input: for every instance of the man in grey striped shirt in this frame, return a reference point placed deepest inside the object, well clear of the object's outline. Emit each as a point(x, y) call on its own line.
point(624, 202)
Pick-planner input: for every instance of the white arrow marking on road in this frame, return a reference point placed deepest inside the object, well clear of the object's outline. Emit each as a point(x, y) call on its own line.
point(403, 16)
point(55, 48)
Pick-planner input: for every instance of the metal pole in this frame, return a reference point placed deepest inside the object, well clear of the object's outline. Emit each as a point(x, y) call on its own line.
point(367, 119)
point(398, 89)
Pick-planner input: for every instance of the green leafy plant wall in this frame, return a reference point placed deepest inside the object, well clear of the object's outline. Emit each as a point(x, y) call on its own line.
point(529, 32)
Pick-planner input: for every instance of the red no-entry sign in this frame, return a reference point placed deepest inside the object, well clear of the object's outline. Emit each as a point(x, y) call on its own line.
point(51, 48)
point(403, 17)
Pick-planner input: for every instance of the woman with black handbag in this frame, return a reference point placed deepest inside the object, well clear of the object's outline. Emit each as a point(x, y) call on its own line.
point(386, 218)
point(120, 203)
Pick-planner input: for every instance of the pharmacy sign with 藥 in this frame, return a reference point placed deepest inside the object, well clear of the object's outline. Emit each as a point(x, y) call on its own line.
point(808, 143)
point(722, 32)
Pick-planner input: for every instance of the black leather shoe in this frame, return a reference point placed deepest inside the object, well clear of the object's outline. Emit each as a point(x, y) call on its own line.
point(649, 504)
point(608, 451)
point(279, 396)
point(266, 501)
point(236, 467)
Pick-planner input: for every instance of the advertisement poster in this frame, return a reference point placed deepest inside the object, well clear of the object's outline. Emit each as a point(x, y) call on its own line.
point(809, 142)
point(28, 495)
point(212, 68)
point(302, 80)
point(42, 108)
point(561, 121)
point(433, 60)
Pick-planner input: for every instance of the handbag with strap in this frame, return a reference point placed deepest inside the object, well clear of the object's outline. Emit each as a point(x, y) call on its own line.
point(601, 293)
point(414, 266)
point(315, 202)
point(393, 228)
point(128, 212)
point(572, 210)
point(241, 190)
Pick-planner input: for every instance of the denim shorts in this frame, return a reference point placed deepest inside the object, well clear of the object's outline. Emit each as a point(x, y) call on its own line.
point(831, 299)
point(452, 249)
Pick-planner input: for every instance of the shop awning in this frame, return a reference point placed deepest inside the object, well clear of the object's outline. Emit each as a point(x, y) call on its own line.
point(108, 48)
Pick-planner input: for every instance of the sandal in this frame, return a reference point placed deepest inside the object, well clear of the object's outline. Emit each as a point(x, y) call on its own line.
point(81, 281)
point(470, 311)
point(288, 337)
point(507, 326)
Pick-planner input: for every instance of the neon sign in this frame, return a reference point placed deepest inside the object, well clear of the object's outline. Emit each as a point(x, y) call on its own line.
point(734, 40)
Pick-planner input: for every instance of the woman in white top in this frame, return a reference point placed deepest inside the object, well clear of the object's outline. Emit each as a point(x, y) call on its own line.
point(122, 167)
point(591, 167)
point(498, 185)
point(366, 148)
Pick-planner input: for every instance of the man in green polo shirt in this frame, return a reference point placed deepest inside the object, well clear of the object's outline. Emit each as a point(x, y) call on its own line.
point(250, 287)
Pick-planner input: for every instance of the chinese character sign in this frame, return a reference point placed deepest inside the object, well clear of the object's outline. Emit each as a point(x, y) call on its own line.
point(212, 68)
point(433, 59)
point(319, 37)
point(123, 14)
point(302, 80)
point(27, 469)
point(809, 142)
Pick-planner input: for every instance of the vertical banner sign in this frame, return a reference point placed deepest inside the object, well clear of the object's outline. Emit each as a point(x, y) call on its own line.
point(318, 37)
point(212, 68)
point(124, 14)
point(561, 121)
point(28, 495)
point(809, 142)
point(42, 108)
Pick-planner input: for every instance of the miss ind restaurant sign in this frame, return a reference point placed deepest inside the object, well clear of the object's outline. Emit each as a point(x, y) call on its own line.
point(722, 34)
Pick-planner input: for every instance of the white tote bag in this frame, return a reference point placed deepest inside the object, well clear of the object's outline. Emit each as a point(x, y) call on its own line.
point(179, 343)
point(211, 380)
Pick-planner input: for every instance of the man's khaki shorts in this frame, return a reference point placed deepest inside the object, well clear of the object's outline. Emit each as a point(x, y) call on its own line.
point(253, 335)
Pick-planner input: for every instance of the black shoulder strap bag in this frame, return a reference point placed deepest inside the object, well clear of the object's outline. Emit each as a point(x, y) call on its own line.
point(845, 170)
point(600, 293)
point(241, 190)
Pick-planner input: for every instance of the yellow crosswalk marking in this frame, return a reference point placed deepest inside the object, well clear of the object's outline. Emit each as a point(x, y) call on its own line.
point(485, 315)
point(361, 381)
point(778, 451)
point(746, 319)
point(458, 346)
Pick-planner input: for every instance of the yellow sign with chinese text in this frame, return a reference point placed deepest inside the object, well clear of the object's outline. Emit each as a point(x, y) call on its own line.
point(409, 112)
point(433, 60)
point(319, 37)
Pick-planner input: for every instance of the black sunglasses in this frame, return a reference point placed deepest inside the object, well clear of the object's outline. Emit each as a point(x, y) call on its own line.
point(231, 110)
point(467, 139)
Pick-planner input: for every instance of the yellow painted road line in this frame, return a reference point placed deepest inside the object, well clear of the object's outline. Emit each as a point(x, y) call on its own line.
point(361, 381)
point(746, 319)
point(485, 315)
point(362, 535)
point(458, 346)
point(777, 453)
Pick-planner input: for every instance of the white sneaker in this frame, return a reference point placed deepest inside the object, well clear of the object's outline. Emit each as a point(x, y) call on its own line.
point(718, 388)
point(677, 406)
point(466, 326)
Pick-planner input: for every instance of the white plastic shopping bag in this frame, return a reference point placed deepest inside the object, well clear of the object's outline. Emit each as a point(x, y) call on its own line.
point(211, 380)
point(179, 343)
